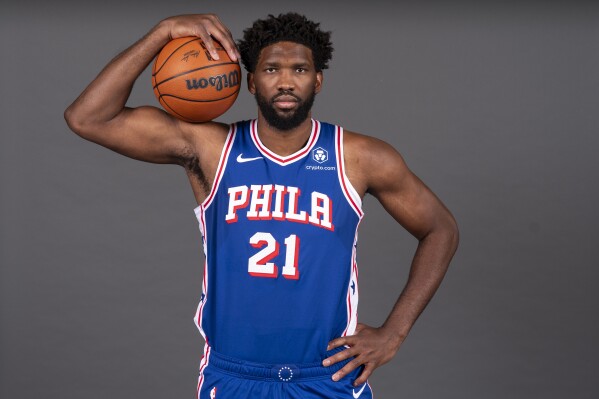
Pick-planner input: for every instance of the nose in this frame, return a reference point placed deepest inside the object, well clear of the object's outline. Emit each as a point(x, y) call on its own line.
point(285, 81)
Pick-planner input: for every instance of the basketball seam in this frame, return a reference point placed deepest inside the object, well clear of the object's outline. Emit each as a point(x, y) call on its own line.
point(170, 55)
point(166, 104)
point(198, 101)
point(194, 70)
point(172, 110)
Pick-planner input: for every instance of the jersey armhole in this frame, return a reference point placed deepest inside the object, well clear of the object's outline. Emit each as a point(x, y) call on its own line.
point(350, 193)
point(220, 170)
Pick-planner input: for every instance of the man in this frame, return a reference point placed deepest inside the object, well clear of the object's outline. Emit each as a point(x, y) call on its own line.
point(279, 205)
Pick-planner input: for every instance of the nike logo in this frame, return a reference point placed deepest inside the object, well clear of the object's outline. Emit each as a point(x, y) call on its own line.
point(357, 394)
point(241, 159)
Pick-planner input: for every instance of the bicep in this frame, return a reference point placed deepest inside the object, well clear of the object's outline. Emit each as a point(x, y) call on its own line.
point(403, 195)
point(144, 133)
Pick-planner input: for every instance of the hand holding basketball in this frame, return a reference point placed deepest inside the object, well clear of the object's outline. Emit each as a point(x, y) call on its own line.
point(196, 76)
point(206, 27)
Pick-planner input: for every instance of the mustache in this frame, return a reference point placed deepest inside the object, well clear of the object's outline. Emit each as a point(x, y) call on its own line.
point(286, 93)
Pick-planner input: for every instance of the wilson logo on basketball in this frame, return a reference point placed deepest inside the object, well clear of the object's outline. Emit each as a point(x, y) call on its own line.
point(218, 81)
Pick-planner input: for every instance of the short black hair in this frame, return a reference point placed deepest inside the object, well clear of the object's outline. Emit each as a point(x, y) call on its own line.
point(290, 27)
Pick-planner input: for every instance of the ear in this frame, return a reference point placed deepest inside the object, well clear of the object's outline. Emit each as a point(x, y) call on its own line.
point(250, 81)
point(318, 84)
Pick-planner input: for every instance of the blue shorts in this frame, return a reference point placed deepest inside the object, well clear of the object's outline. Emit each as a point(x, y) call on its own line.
point(223, 377)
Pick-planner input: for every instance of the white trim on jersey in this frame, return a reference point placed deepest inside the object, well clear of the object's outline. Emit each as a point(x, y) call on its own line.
point(203, 365)
point(353, 295)
point(222, 165)
point(198, 316)
point(355, 202)
point(200, 212)
point(289, 159)
point(348, 189)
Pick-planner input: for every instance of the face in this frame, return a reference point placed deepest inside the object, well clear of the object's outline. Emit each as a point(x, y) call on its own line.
point(285, 83)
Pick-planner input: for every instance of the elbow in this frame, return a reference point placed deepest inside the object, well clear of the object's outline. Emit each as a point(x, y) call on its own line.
point(452, 235)
point(445, 234)
point(76, 121)
point(72, 119)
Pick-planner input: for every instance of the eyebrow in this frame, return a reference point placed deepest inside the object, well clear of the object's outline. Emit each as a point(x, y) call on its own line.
point(301, 64)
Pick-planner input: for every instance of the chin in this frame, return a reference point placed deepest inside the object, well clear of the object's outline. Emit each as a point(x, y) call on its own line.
point(284, 120)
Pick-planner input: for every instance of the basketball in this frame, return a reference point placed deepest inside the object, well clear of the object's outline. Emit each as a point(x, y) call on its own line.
point(190, 84)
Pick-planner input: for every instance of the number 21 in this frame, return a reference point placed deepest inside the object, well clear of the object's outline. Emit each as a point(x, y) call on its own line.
point(260, 265)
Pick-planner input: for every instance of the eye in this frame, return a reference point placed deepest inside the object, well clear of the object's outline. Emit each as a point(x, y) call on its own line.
point(270, 70)
point(300, 70)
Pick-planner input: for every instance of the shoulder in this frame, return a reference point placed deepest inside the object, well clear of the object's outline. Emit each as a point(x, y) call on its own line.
point(365, 146)
point(371, 162)
point(359, 147)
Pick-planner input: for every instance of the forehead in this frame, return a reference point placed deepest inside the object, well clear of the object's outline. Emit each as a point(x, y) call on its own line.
point(286, 51)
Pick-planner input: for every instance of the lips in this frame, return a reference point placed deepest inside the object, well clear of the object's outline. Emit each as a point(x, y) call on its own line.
point(285, 104)
point(285, 101)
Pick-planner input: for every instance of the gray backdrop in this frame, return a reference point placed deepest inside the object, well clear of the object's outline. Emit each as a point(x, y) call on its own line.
point(493, 104)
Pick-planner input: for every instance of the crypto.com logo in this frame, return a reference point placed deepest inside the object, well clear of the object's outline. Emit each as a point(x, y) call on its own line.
point(320, 155)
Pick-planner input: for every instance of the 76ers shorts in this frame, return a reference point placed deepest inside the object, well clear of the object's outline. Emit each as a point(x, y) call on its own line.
point(222, 377)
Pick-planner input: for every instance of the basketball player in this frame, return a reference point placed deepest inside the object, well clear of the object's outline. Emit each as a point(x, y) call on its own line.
point(279, 206)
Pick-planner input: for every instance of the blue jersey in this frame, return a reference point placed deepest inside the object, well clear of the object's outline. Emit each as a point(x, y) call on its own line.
point(279, 235)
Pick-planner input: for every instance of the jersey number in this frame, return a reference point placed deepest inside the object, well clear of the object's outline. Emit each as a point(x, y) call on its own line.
point(260, 265)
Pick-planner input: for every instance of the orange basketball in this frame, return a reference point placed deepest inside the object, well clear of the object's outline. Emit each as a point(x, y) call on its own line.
point(190, 84)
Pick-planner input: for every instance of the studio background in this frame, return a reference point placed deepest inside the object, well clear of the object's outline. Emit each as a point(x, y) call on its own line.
point(492, 104)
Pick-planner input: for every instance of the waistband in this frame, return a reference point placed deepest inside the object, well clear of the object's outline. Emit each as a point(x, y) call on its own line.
point(285, 372)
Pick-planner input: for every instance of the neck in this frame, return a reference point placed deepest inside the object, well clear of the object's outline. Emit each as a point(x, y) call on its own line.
point(284, 142)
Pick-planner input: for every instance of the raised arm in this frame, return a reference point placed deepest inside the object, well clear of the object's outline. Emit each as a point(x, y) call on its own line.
point(380, 170)
point(146, 133)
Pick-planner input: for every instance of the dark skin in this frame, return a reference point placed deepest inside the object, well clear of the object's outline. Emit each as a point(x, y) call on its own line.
point(285, 66)
point(149, 134)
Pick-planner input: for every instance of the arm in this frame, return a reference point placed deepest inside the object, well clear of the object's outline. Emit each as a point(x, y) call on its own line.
point(384, 174)
point(145, 133)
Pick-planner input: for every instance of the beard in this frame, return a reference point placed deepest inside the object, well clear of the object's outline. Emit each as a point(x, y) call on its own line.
point(290, 119)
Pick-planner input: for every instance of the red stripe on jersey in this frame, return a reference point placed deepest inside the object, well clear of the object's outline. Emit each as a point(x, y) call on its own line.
point(353, 273)
point(221, 166)
point(340, 163)
point(350, 313)
point(203, 365)
point(204, 280)
point(293, 157)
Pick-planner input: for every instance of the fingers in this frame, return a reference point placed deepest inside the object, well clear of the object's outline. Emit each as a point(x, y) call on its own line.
point(229, 44)
point(364, 348)
point(212, 28)
point(348, 368)
point(207, 27)
point(338, 357)
point(351, 366)
point(364, 375)
point(336, 343)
